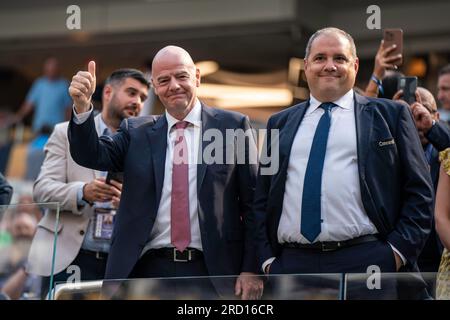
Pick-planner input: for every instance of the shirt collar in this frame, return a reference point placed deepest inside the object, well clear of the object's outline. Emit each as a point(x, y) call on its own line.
point(194, 116)
point(345, 102)
point(102, 125)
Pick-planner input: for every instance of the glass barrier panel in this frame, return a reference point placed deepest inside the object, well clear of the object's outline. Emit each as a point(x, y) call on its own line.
point(397, 286)
point(386, 286)
point(28, 238)
point(84, 290)
point(303, 287)
point(274, 287)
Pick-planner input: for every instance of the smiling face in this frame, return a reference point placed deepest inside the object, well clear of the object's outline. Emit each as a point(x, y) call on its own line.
point(175, 79)
point(330, 67)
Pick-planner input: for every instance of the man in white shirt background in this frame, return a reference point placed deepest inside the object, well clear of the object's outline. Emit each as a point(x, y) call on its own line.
point(84, 196)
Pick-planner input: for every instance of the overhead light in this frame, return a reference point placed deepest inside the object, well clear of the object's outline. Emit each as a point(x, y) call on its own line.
point(225, 96)
point(207, 67)
point(416, 67)
point(80, 36)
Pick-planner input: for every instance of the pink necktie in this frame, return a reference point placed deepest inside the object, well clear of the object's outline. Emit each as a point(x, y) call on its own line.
point(180, 226)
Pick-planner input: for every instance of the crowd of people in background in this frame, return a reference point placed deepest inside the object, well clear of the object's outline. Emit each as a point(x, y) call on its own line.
point(246, 223)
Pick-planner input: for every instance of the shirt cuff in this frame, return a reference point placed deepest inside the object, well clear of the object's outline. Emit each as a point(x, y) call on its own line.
point(266, 263)
point(80, 201)
point(399, 253)
point(80, 118)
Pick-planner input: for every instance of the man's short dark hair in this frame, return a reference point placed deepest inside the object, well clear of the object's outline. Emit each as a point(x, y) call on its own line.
point(119, 75)
point(444, 70)
point(331, 30)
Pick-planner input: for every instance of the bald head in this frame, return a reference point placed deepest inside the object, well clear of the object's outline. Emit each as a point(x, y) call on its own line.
point(175, 80)
point(172, 53)
point(427, 99)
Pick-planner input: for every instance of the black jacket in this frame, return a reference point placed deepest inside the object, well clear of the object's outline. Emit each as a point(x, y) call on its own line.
point(6, 191)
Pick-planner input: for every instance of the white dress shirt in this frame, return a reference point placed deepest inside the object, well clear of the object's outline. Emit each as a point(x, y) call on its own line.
point(342, 212)
point(160, 235)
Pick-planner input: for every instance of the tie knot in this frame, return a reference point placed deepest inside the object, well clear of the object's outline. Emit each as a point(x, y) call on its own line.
point(328, 106)
point(181, 125)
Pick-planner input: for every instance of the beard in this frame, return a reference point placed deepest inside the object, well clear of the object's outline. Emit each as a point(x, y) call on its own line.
point(118, 111)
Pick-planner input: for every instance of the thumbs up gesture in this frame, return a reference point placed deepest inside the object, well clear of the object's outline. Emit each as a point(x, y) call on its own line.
point(82, 87)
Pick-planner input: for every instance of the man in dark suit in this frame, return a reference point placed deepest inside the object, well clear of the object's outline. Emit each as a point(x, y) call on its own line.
point(353, 188)
point(180, 215)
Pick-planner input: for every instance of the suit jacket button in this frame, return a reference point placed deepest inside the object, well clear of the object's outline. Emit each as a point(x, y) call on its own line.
point(82, 232)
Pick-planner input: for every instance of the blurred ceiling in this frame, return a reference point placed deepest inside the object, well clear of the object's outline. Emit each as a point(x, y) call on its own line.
point(252, 36)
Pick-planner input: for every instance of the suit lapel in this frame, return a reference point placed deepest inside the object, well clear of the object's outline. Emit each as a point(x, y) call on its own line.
point(364, 120)
point(209, 121)
point(157, 136)
point(287, 135)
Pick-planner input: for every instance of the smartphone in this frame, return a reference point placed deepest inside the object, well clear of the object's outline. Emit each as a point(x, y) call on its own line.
point(409, 87)
point(391, 37)
point(116, 176)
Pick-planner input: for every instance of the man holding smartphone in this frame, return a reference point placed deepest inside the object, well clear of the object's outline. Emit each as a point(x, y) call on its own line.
point(435, 137)
point(87, 200)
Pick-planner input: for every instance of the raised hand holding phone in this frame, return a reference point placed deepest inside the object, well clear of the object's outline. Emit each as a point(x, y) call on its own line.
point(393, 38)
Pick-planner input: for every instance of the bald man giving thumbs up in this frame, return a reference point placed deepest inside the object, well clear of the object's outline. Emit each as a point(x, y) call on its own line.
point(177, 217)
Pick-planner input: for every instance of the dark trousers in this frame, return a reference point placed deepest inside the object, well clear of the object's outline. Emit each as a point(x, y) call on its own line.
point(162, 278)
point(91, 266)
point(353, 259)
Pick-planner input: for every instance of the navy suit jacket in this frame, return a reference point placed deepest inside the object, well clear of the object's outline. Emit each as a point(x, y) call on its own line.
point(396, 188)
point(439, 136)
point(225, 191)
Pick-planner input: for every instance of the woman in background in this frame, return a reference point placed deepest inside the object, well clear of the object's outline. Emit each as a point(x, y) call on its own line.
point(442, 215)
